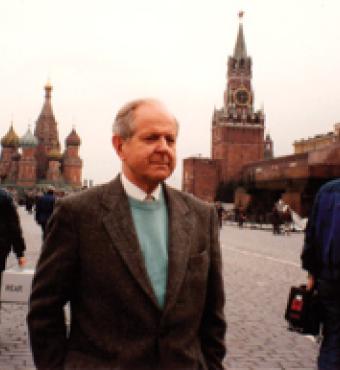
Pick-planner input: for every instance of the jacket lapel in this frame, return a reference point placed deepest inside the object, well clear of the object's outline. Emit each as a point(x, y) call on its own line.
point(119, 225)
point(180, 229)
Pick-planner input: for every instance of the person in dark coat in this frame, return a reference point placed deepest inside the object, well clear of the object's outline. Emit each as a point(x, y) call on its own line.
point(44, 208)
point(276, 220)
point(10, 232)
point(220, 211)
point(287, 219)
point(321, 258)
point(29, 202)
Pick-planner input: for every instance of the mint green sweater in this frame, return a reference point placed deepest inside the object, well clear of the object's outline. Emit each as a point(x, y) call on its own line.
point(151, 224)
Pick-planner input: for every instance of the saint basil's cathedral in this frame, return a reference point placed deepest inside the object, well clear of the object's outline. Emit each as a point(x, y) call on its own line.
point(35, 159)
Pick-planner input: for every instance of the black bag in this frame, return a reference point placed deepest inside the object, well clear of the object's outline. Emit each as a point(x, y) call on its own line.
point(303, 311)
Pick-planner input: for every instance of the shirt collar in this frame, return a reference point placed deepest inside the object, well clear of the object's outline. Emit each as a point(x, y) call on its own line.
point(135, 192)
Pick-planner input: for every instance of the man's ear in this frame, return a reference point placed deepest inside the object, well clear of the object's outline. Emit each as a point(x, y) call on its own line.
point(117, 143)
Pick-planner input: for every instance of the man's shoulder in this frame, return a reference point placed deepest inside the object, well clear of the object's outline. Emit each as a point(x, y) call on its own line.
point(47, 198)
point(191, 200)
point(83, 196)
point(3, 193)
point(87, 199)
point(5, 197)
point(330, 187)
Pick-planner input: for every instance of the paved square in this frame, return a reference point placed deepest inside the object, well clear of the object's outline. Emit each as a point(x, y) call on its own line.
point(259, 269)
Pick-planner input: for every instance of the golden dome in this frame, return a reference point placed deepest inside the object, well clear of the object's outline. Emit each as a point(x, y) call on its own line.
point(54, 155)
point(48, 85)
point(11, 139)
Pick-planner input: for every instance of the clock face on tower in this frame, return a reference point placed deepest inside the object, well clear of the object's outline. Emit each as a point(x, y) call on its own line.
point(242, 96)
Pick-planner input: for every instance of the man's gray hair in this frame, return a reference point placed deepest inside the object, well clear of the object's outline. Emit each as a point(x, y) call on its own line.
point(123, 124)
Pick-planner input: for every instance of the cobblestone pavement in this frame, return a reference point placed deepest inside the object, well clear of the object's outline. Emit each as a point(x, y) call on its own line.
point(259, 269)
point(14, 346)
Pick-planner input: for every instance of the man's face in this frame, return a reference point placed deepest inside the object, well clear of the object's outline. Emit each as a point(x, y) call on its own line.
point(149, 156)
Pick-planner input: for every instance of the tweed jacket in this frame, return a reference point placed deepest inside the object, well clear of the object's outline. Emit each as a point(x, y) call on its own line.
point(92, 259)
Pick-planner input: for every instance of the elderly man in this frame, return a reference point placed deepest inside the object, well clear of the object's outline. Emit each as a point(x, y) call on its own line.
point(138, 261)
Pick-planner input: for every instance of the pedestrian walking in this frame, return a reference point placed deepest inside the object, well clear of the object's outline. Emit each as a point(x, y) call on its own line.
point(276, 220)
point(44, 208)
point(29, 201)
point(287, 219)
point(10, 232)
point(241, 217)
point(220, 212)
point(138, 261)
point(321, 258)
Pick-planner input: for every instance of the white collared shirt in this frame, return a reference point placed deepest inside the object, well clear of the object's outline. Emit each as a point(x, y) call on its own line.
point(135, 192)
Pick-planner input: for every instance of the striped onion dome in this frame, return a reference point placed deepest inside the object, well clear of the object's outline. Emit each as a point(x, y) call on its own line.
point(28, 140)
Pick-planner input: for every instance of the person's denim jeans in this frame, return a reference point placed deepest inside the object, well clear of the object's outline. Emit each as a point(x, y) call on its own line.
point(329, 357)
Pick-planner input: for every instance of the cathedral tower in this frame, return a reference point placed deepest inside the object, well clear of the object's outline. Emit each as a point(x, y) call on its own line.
point(237, 130)
point(27, 172)
point(72, 162)
point(46, 132)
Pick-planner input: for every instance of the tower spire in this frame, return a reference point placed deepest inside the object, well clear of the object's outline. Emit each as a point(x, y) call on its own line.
point(240, 51)
point(47, 107)
point(48, 88)
point(46, 132)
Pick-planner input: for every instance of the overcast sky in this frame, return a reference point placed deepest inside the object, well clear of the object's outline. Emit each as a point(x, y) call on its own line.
point(100, 54)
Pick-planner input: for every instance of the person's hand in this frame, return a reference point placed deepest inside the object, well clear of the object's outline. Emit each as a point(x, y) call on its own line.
point(22, 261)
point(310, 282)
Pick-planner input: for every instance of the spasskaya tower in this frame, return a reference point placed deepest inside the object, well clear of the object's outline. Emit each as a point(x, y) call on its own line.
point(237, 129)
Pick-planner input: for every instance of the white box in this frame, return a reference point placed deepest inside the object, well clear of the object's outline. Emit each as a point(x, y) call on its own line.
point(16, 285)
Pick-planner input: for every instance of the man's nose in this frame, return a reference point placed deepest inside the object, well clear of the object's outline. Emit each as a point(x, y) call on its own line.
point(162, 144)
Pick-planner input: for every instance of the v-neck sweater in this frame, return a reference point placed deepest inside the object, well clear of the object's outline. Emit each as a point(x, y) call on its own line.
point(151, 224)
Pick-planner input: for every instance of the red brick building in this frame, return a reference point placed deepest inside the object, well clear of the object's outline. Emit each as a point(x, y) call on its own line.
point(37, 159)
point(200, 177)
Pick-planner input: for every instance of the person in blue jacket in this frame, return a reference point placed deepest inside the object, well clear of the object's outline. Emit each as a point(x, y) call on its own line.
point(321, 258)
point(44, 208)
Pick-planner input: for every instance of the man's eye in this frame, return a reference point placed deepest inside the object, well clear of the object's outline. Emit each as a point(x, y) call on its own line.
point(151, 138)
point(170, 140)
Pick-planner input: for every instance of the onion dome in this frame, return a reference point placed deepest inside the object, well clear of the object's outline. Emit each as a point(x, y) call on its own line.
point(54, 155)
point(48, 84)
point(73, 138)
point(11, 139)
point(48, 88)
point(28, 140)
